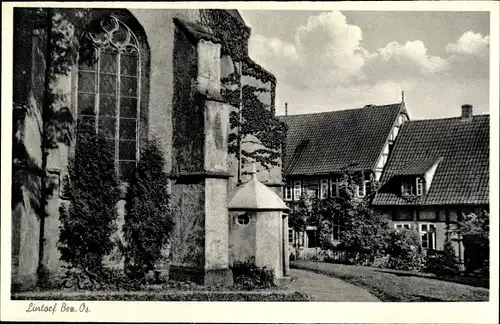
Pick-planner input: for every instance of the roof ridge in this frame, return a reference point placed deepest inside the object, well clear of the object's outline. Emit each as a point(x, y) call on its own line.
point(348, 109)
point(445, 118)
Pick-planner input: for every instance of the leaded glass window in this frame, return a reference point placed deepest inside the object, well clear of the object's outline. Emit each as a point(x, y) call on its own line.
point(109, 88)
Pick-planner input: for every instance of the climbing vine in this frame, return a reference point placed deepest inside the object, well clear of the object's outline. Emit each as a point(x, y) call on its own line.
point(233, 34)
point(256, 125)
point(252, 122)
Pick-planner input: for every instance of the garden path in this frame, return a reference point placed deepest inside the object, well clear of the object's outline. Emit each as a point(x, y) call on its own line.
point(322, 288)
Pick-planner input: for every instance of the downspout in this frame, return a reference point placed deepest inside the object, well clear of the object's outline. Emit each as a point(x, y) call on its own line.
point(239, 121)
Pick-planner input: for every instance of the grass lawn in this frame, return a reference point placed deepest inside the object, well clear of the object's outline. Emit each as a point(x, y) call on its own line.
point(162, 295)
point(171, 291)
point(397, 286)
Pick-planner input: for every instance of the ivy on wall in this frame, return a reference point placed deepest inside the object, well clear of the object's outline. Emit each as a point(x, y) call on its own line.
point(256, 125)
point(253, 121)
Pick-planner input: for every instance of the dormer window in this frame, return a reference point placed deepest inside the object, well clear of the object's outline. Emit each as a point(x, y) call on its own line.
point(406, 187)
point(420, 186)
point(412, 187)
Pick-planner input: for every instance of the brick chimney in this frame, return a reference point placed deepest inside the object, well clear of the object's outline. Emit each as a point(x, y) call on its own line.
point(466, 112)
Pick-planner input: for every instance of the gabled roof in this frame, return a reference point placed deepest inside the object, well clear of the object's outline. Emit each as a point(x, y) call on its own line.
point(462, 176)
point(329, 142)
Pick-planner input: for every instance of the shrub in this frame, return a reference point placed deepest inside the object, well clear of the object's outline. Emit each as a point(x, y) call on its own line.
point(88, 221)
point(106, 279)
point(404, 251)
point(363, 232)
point(474, 228)
point(248, 276)
point(443, 262)
point(148, 219)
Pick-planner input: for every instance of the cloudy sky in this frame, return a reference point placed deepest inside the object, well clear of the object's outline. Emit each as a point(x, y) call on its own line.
point(332, 60)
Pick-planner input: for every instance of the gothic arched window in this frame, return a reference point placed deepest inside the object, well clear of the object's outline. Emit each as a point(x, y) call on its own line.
point(109, 88)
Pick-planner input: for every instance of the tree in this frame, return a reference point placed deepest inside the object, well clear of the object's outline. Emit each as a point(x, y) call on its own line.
point(89, 220)
point(148, 218)
point(254, 123)
point(364, 232)
point(300, 213)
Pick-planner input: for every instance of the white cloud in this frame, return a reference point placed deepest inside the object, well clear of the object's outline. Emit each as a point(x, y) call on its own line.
point(469, 43)
point(334, 45)
point(326, 67)
point(413, 54)
point(271, 47)
point(327, 51)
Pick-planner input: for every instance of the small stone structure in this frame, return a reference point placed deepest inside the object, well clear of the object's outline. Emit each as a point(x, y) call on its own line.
point(259, 227)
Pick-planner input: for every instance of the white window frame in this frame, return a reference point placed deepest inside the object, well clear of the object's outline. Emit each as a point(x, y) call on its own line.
point(334, 187)
point(323, 188)
point(358, 192)
point(401, 226)
point(419, 189)
point(291, 235)
point(429, 232)
point(297, 189)
point(288, 192)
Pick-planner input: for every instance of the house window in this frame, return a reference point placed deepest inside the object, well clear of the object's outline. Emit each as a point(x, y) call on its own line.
point(324, 188)
point(109, 89)
point(336, 228)
point(428, 236)
point(310, 188)
point(413, 186)
point(420, 186)
point(243, 219)
point(334, 187)
point(290, 235)
point(297, 189)
point(312, 238)
point(288, 191)
point(406, 187)
point(403, 226)
point(361, 189)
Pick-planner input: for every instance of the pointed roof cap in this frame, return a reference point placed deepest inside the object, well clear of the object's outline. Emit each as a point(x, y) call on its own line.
point(254, 195)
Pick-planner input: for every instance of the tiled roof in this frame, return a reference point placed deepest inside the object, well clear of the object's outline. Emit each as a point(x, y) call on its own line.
point(323, 143)
point(462, 176)
point(418, 166)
